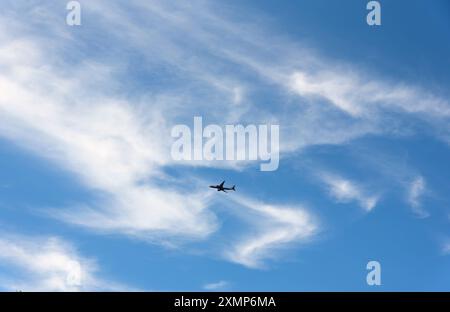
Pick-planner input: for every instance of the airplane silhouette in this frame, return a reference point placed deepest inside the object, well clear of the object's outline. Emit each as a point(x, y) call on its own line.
point(223, 189)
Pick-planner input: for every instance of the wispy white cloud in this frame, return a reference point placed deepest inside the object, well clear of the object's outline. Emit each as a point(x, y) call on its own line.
point(360, 96)
point(446, 248)
point(344, 190)
point(417, 189)
point(47, 264)
point(273, 227)
point(216, 286)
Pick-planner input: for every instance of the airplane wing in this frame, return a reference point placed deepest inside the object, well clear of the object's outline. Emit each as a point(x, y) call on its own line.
point(221, 184)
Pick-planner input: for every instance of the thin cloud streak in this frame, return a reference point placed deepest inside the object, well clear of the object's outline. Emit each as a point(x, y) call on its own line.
point(216, 286)
point(274, 227)
point(416, 190)
point(345, 191)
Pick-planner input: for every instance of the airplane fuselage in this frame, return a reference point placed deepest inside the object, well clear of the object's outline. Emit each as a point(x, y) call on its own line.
point(221, 188)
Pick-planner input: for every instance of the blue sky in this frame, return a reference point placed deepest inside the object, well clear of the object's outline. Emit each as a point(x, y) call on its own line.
point(90, 198)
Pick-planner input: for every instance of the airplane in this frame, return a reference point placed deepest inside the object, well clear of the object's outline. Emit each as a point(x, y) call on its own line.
point(223, 189)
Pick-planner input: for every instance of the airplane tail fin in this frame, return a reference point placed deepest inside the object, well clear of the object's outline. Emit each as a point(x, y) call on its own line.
point(233, 188)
